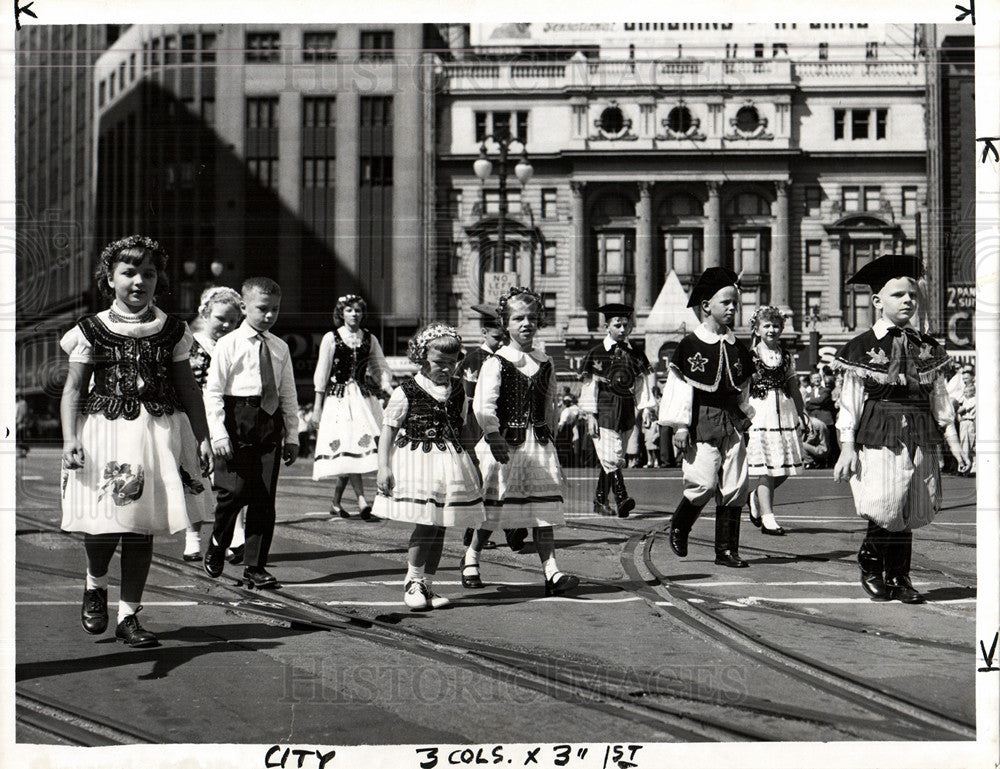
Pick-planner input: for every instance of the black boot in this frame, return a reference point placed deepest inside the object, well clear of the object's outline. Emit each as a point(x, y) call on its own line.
point(871, 559)
point(624, 502)
point(898, 550)
point(601, 506)
point(727, 537)
point(684, 517)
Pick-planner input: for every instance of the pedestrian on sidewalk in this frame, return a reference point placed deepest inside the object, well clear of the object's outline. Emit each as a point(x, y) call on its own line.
point(426, 474)
point(515, 404)
point(136, 448)
point(253, 414)
point(894, 407)
point(705, 401)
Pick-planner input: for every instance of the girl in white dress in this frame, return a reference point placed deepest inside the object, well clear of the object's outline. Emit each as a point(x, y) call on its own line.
point(516, 405)
point(218, 314)
point(136, 451)
point(350, 415)
point(426, 474)
point(774, 449)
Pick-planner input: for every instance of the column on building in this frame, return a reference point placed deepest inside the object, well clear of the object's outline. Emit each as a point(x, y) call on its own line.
point(713, 226)
point(289, 254)
point(578, 251)
point(780, 252)
point(644, 251)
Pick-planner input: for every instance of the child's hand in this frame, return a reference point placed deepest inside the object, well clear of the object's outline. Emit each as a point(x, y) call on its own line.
point(207, 458)
point(648, 417)
point(222, 448)
point(681, 440)
point(593, 430)
point(384, 482)
point(72, 455)
point(847, 465)
point(499, 447)
point(289, 453)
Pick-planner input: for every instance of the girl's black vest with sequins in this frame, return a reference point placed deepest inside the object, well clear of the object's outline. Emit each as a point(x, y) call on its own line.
point(521, 402)
point(766, 378)
point(430, 422)
point(130, 372)
point(349, 365)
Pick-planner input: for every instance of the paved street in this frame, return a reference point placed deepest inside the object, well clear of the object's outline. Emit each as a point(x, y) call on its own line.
point(649, 649)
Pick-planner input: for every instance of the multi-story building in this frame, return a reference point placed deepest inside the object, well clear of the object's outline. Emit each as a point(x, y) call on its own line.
point(793, 153)
point(292, 151)
point(53, 213)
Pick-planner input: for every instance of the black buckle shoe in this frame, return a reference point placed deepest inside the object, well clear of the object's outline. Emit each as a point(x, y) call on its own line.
point(731, 559)
point(94, 612)
point(215, 560)
point(191, 557)
point(562, 583)
point(901, 589)
point(471, 580)
point(131, 633)
point(236, 554)
point(875, 586)
point(679, 542)
point(258, 578)
point(366, 513)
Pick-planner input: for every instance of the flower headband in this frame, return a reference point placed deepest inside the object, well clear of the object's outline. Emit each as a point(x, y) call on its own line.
point(222, 294)
point(513, 291)
point(416, 348)
point(349, 299)
point(766, 310)
point(131, 241)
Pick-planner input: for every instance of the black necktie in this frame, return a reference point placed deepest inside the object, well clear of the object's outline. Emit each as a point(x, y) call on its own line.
point(269, 391)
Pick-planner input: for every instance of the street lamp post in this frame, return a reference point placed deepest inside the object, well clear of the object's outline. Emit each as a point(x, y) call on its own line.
point(523, 170)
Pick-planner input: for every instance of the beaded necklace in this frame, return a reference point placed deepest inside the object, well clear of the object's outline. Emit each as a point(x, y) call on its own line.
point(145, 316)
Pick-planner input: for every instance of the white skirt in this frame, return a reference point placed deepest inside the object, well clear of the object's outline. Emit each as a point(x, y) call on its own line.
point(347, 439)
point(139, 475)
point(528, 491)
point(774, 447)
point(439, 487)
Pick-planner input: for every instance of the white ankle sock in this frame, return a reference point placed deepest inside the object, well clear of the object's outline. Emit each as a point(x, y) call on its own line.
point(192, 541)
point(93, 583)
point(239, 535)
point(769, 521)
point(550, 567)
point(414, 573)
point(125, 608)
point(471, 557)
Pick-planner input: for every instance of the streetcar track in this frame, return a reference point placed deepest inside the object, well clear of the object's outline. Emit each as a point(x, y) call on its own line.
point(75, 726)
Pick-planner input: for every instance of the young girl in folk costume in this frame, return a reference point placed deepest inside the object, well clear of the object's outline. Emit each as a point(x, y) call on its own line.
point(426, 476)
point(351, 415)
point(515, 404)
point(136, 451)
point(218, 314)
point(774, 448)
point(894, 407)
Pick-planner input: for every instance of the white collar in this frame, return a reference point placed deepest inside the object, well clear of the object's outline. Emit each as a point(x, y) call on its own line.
point(346, 333)
point(881, 327)
point(710, 337)
point(249, 332)
point(516, 357)
point(486, 348)
point(438, 392)
point(610, 343)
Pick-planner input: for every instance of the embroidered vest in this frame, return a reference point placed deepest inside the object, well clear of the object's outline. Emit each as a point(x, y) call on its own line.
point(521, 402)
point(130, 372)
point(766, 378)
point(349, 365)
point(429, 422)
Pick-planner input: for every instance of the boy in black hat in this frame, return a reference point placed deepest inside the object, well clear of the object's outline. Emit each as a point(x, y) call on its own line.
point(468, 368)
point(894, 407)
point(617, 383)
point(705, 402)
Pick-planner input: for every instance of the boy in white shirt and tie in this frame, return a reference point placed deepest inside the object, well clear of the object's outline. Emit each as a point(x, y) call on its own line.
point(252, 412)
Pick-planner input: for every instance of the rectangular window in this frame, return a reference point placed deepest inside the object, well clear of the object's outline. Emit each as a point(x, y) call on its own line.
point(513, 201)
point(481, 126)
point(207, 47)
point(851, 199)
point(909, 201)
point(758, 50)
point(549, 301)
point(731, 50)
point(319, 46)
point(187, 49)
point(522, 126)
point(111, 86)
point(376, 45)
point(375, 191)
point(873, 198)
point(859, 123)
point(501, 125)
point(839, 117)
point(102, 95)
point(779, 49)
point(814, 304)
point(548, 258)
point(813, 263)
point(262, 140)
point(881, 117)
point(814, 200)
point(155, 49)
point(824, 51)
point(263, 47)
point(549, 203)
point(131, 67)
point(871, 50)
point(170, 49)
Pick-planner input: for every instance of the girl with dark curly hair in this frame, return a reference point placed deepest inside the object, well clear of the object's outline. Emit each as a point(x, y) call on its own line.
point(136, 449)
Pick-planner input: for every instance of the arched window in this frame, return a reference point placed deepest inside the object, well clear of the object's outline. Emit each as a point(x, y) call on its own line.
point(748, 204)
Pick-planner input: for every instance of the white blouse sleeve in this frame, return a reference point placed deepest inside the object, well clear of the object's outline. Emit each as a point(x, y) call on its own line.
point(588, 396)
point(182, 350)
point(484, 404)
point(850, 404)
point(942, 407)
point(377, 361)
point(677, 401)
point(75, 344)
point(396, 409)
point(321, 376)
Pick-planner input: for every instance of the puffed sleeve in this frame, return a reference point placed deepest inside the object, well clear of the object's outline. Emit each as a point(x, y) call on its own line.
point(75, 344)
point(676, 402)
point(850, 404)
point(380, 364)
point(323, 363)
point(942, 407)
point(396, 409)
point(643, 390)
point(484, 403)
point(182, 350)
